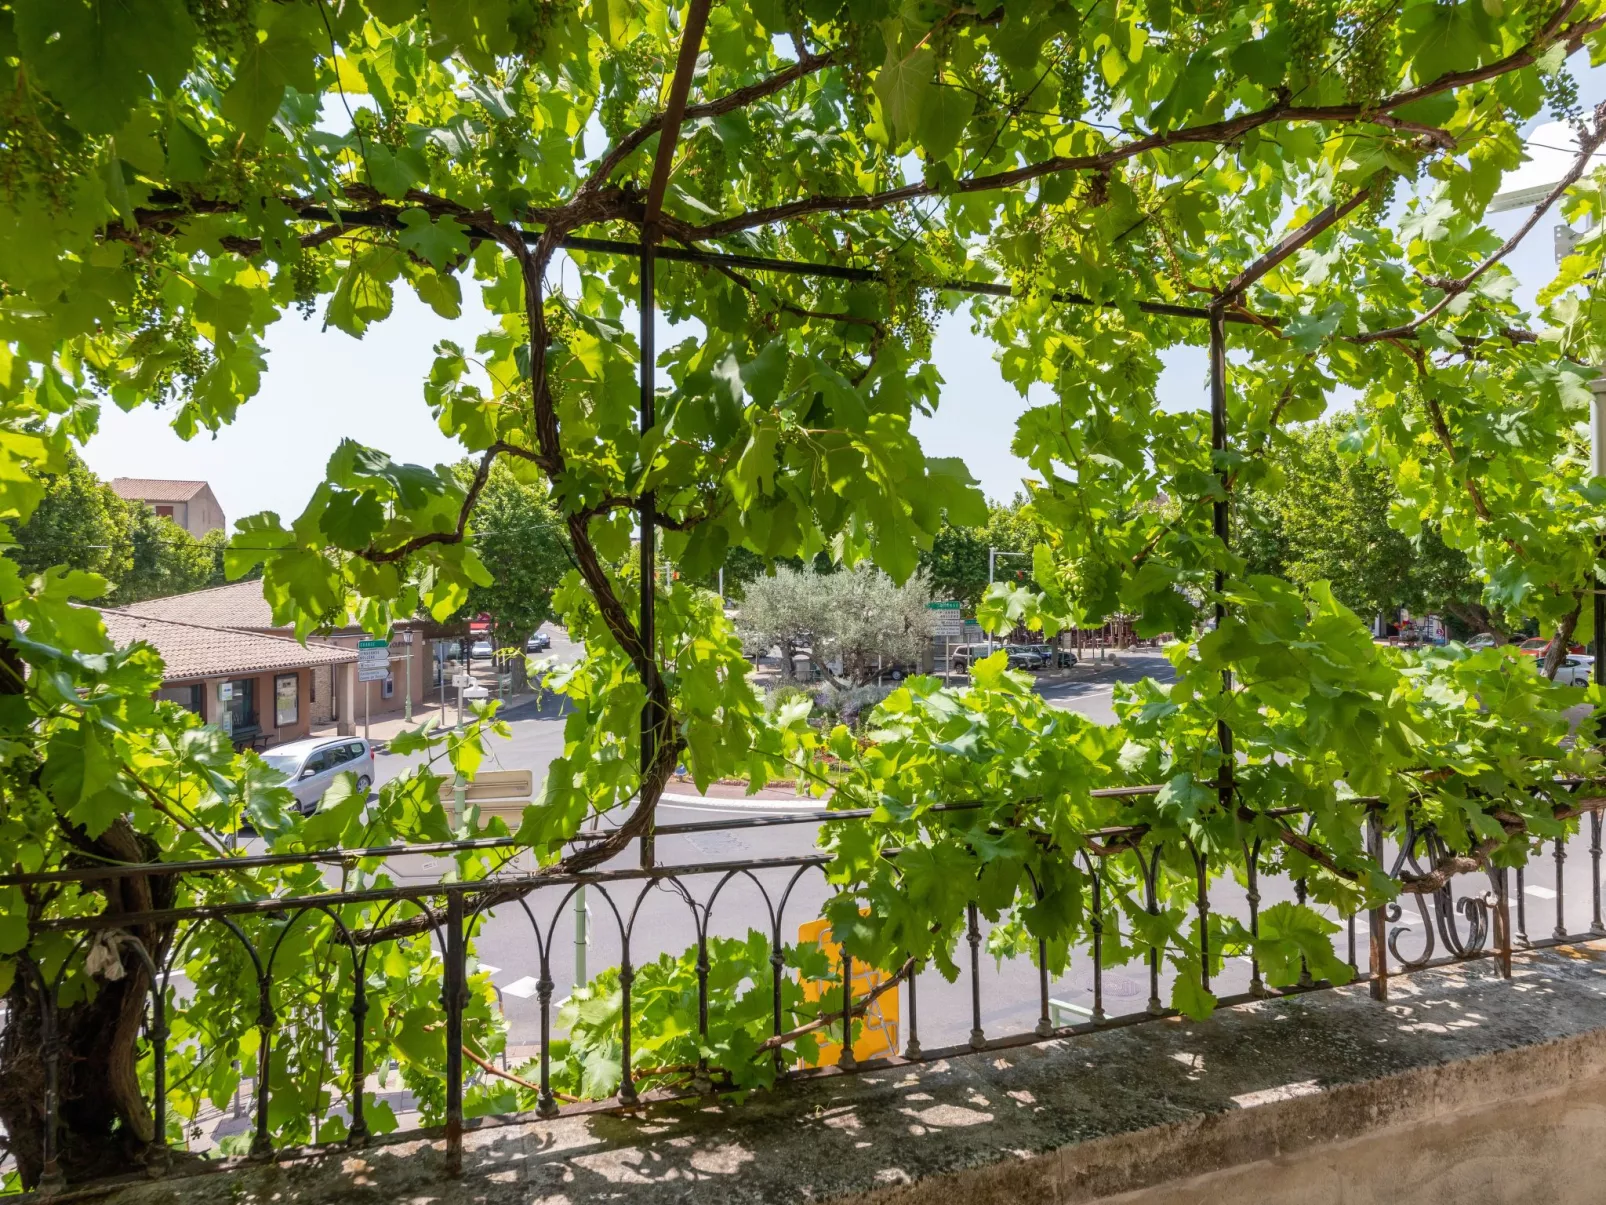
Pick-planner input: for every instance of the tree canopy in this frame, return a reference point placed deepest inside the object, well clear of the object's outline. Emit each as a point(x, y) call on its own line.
point(1326, 517)
point(519, 539)
point(81, 523)
point(956, 562)
point(1305, 180)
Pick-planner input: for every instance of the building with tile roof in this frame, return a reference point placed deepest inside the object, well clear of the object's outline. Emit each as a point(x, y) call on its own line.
point(259, 688)
point(190, 504)
point(241, 606)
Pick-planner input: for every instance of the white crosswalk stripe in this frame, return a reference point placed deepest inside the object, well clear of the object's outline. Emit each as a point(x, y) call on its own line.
point(522, 988)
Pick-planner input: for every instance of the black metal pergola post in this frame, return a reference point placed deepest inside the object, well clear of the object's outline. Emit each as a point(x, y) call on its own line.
point(652, 720)
point(649, 533)
point(1221, 524)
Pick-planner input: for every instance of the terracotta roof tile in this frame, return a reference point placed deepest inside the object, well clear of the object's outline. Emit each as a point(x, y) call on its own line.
point(154, 489)
point(236, 605)
point(196, 651)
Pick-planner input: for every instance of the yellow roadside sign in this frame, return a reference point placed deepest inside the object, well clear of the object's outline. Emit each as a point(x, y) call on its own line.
point(878, 1035)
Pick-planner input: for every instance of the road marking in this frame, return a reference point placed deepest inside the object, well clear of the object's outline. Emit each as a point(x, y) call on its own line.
point(522, 988)
point(1539, 893)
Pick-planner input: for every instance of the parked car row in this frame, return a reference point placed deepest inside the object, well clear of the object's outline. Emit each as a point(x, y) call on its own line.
point(1021, 656)
point(483, 650)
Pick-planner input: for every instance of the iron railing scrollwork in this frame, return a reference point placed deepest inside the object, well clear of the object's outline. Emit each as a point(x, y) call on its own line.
point(1456, 922)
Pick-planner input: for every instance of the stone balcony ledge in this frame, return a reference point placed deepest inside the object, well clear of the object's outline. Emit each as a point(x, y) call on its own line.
point(1464, 1088)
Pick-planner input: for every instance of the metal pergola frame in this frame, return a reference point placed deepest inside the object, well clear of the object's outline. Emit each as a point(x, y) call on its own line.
point(1217, 315)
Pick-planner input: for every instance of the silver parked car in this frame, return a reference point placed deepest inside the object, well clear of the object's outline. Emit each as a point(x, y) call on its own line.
point(1576, 669)
point(311, 766)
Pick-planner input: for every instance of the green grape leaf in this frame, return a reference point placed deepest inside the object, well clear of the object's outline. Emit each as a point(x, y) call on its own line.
point(439, 241)
point(99, 58)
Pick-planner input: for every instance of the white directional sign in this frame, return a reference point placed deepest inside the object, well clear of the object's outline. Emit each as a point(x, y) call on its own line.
point(946, 619)
point(373, 660)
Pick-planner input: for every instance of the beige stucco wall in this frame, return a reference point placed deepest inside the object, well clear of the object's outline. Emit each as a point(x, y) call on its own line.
point(264, 702)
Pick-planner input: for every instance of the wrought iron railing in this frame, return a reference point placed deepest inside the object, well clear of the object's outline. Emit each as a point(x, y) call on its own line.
point(1456, 922)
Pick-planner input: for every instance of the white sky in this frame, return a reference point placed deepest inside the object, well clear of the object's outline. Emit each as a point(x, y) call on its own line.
point(322, 386)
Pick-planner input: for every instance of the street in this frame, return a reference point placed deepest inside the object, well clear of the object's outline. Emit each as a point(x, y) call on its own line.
point(509, 946)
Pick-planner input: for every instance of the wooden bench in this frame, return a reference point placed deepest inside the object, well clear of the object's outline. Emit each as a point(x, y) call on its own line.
point(504, 793)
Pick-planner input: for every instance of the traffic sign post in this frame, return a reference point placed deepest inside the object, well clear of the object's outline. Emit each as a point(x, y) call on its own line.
point(948, 621)
point(373, 665)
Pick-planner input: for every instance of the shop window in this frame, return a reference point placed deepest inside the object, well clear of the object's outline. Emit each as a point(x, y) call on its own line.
point(191, 696)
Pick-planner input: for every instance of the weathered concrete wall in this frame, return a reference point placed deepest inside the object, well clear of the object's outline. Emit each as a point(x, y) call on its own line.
point(1465, 1088)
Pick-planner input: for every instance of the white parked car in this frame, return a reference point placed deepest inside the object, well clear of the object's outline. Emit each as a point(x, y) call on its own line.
point(1575, 670)
point(1481, 641)
point(481, 650)
point(311, 766)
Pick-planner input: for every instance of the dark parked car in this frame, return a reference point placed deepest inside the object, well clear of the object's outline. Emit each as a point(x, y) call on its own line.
point(539, 643)
point(1055, 657)
point(1025, 656)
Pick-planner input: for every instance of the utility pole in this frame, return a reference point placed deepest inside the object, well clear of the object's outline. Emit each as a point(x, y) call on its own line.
point(992, 564)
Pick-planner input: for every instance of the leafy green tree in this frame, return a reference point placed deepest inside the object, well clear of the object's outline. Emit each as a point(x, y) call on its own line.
point(173, 185)
point(83, 524)
point(79, 523)
point(519, 537)
point(164, 558)
point(957, 564)
point(1325, 516)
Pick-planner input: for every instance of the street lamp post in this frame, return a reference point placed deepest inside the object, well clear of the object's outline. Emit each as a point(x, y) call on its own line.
point(407, 699)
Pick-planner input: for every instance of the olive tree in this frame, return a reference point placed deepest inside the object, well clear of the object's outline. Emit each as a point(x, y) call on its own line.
point(853, 625)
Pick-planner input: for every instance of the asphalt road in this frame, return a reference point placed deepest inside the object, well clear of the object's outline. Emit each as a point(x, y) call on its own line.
point(660, 920)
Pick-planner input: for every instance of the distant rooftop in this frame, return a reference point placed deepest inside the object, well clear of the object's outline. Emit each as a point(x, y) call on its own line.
point(152, 489)
point(236, 605)
point(196, 651)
